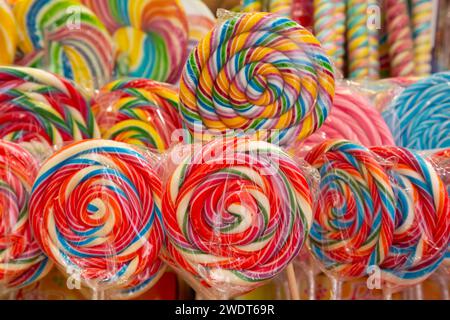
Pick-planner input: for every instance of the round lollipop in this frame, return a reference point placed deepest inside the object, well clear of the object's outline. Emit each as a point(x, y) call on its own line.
point(257, 72)
point(151, 36)
point(66, 38)
point(419, 117)
point(140, 112)
point(236, 212)
point(21, 260)
point(37, 106)
point(422, 227)
point(354, 218)
point(95, 211)
point(353, 118)
point(8, 34)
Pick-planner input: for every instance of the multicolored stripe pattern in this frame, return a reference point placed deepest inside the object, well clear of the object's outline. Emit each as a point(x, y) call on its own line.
point(257, 73)
point(21, 260)
point(95, 210)
point(236, 212)
point(422, 15)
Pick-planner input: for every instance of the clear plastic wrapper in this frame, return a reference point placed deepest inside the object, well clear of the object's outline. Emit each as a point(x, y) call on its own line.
point(237, 212)
point(22, 263)
point(140, 112)
point(256, 72)
point(382, 212)
point(95, 211)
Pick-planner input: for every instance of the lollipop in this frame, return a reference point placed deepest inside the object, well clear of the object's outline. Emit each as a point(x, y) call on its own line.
point(8, 34)
point(236, 213)
point(422, 16)
point(200, 19)
point(141, 112)
point(66, 38)
point(95, 211)
point(354, 218)
point(39, 106)
point(422, 227)
point(419, 117)
point(352, 118)
point(151, 36)
point(257, 72)
point(401, 48)
point(21, 260)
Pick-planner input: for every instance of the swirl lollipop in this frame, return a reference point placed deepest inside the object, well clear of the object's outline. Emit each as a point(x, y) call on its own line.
point(236, 212)
point(8, 34)
point(37, 106)
point(21, 260)
point(140, 112)
point(151, 36)
point(422, 228)
point(95, 211)
point(66, 38)
point(354, 219)
point(419, 117)
point(257, 72)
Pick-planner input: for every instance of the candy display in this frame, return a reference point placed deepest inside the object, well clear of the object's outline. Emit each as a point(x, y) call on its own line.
point(151, 36)
point(236, 212)
point(95, 211)
point(355, 216)
point(8, 34)
point(419, 117)
point(257, 73)
point(66, 38)
point(140, 112)
point(21, 260)
point(38, 106)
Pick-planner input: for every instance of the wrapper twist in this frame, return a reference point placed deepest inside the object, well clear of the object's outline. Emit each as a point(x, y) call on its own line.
point(95, 211)
point(8, 34)
point(419, 117)
point(355, 215)
point(422, 224)
point(140, 112)
point(257, 72)
point(151, 36)
point(21, 261)
point(236, 213)
point(66, 38)
point(38, 106)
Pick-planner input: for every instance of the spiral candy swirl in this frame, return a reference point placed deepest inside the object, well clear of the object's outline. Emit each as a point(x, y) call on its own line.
point(95, 210)
point(66, 38)
point(151, 36)
point(257, 72)
point(21, 260)
point(422, 227)
point(354, 218)
point(36, 105)
point(8, 34)
point(138, 111)
point(420, 117)
point(236, 213)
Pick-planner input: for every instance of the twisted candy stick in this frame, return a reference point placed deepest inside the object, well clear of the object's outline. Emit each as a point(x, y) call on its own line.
point(36, 105)
point(325, 22)
point(422, 12)
point(280, 7)
point(340, 29)
point(8, 34)
point(21, 260)
point(151, 36)
point(66, 38)
point(140, 112)
point(200, 19)
point(354, 219)
point(257, 72)
point(401, 47)
point(95, 210)
point(420, 117)
point(236, 213)
point(422, 217)
point(353, 118)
